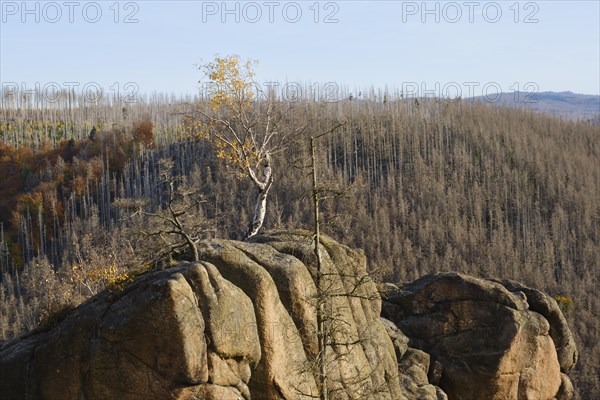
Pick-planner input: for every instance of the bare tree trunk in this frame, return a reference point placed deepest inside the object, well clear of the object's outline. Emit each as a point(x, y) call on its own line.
point(321, 339)
point(260, 210)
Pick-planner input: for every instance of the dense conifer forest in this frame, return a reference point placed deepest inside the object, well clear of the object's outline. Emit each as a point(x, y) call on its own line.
point(421, 185)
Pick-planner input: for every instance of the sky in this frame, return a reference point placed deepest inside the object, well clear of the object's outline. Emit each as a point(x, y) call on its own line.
point(445, 48)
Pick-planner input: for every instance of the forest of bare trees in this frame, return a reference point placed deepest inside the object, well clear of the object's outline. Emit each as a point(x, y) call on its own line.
point(433, 186)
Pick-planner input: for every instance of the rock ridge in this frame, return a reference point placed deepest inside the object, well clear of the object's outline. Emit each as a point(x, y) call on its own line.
point(240, 324)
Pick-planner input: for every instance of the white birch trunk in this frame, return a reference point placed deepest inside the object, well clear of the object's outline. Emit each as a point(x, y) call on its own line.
point(260, 209)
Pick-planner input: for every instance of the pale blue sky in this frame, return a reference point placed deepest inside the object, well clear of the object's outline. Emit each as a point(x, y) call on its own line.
point(374, 43)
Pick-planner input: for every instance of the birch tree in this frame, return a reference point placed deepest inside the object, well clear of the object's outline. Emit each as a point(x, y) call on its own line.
point(244, 124)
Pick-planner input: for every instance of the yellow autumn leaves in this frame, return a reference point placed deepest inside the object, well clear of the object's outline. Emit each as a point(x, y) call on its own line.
point(230, 83)
point(225, 118)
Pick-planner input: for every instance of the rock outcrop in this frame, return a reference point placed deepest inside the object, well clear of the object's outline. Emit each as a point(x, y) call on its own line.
point(492, 339)
point(238, 325)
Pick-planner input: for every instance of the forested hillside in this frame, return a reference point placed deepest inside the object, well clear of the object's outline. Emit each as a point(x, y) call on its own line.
point(421, 186)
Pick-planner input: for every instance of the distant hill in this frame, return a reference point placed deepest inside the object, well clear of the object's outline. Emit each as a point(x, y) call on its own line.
point(566, 104)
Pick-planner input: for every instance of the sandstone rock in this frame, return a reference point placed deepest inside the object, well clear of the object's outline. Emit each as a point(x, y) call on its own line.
point(238, 325)
point(435, 372)
point(489, 340)
point(566, 392)
point(352, 297)
point(413, 367)
point(441, 395)
point(559, 330)
point(216, 392)
point(399, 339)
point(145, 342)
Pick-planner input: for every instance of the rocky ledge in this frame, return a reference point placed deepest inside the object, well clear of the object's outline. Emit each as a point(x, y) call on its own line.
point(240, 324)
point(487, 339)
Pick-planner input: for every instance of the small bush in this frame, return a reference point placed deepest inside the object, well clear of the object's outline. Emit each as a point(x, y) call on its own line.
point(565, 303)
